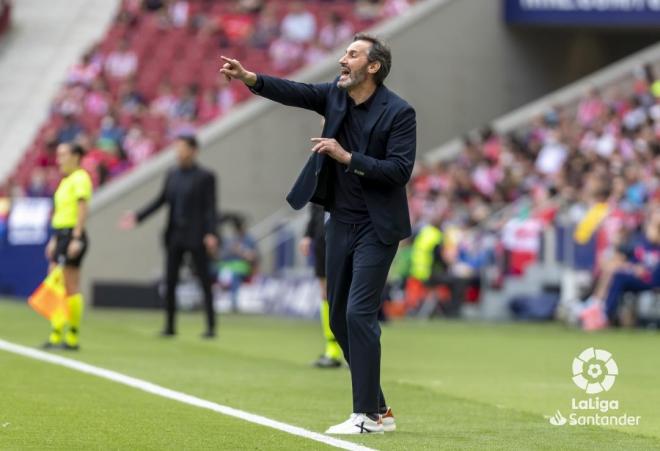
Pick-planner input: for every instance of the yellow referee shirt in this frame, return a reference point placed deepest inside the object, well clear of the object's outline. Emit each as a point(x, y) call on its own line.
point(73, 188)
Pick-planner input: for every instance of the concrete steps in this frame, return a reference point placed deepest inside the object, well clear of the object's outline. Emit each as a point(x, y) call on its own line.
point(45, 39)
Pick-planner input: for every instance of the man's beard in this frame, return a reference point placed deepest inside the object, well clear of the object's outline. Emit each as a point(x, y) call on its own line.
point(354, 78)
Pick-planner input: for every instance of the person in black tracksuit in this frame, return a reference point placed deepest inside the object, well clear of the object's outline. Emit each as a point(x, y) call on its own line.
point(190, 193)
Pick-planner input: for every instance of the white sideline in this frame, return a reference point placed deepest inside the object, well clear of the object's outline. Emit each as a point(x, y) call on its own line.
point(175, 395)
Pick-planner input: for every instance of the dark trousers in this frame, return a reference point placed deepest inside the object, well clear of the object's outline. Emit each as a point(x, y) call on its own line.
point(625, 281)
point(200, 260)
point(357, 263)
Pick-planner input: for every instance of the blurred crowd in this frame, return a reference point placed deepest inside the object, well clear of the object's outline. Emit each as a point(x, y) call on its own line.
point(154, 75)
point(5, 15)
point(594, 164)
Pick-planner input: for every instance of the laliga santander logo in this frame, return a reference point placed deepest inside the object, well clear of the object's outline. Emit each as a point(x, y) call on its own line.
point(594, 370)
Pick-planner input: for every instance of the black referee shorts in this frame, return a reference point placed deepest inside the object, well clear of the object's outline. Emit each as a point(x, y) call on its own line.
point(62, 239)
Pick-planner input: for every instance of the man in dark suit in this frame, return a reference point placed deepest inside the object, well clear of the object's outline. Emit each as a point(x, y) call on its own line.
point(358, 171)
point(190, 193)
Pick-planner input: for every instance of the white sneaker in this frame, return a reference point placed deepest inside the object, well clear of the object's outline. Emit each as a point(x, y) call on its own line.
point(357, 423)
point(389, 425)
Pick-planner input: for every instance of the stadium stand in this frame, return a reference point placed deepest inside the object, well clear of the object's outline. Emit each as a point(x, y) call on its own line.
point(36, 54)
point(587, 171)
point(154, 75)
point(141, 109)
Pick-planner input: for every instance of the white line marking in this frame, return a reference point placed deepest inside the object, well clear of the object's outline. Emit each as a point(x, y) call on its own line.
point(177, 396)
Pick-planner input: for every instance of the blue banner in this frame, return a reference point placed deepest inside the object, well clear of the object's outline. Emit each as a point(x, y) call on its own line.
point(596, 13)
point(24, 231)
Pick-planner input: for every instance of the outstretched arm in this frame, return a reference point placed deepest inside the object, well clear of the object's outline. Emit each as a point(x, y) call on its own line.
point(290, 93)
point(152, 206)
point(130, 219)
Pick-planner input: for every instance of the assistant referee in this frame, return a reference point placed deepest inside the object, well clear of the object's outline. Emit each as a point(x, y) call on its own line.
point(69, 242)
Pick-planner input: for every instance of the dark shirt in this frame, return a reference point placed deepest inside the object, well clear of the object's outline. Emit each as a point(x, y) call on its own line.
point(315, 226)
point(348, 204)
point(191, 197)
point(182, 181)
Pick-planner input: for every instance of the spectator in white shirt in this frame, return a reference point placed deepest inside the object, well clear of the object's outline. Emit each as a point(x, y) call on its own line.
point(179, 11)
point(285, 55)
point(552, 156)
point(165, 102)
point(70, 101)
point(138, 146)
point(299, 25)
point(97, 101)
point(85, 71)
point(121, 63)
point(634, 118)
point(225, 97)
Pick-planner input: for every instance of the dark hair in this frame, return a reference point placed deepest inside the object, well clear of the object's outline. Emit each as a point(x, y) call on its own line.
point(239, 223)
point(76, 149)
point(378, 52)
point(190, 140)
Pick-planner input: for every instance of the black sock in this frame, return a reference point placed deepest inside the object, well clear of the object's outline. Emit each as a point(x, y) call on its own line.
point(382, 410)
point(373, 416)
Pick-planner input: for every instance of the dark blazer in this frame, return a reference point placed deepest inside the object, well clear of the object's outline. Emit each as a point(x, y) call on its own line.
point(199, 207)
point(383, 162)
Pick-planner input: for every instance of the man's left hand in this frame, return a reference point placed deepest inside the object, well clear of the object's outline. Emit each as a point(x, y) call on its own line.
point(331, 148)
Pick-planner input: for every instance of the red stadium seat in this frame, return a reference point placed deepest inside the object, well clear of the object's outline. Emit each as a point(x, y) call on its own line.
point(184, 56)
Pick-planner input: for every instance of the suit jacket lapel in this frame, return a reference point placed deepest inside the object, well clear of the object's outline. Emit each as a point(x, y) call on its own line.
point(375, 111)
point(331, 126)
point(336, 118)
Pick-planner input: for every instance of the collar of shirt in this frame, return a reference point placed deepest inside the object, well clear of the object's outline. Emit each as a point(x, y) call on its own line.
point(186, 169)
point(366, 105)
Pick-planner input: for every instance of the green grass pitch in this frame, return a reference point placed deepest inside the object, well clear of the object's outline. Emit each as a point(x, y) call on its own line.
point(452, 385)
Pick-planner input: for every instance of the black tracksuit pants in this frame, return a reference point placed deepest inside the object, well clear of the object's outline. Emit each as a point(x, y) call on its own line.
point(200, 260)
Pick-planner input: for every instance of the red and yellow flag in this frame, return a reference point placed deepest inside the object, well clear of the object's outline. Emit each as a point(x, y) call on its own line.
point(49, 299)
